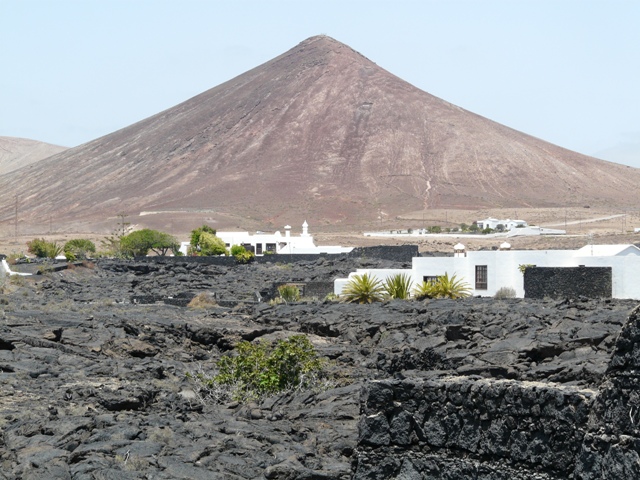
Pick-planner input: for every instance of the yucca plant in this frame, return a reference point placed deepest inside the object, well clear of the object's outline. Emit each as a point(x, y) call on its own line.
point(444, 287)
point(398, 286)
point(426, 290)
point(451, 287)
point(363, 289)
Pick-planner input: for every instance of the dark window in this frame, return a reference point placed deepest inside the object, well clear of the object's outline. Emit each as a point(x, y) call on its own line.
point(248, 247)
point(481, 277)
point(258, 249)
point(271, 247)
point(429, 278)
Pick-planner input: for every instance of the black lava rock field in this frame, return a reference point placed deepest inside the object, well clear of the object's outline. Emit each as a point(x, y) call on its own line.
point(94, 361)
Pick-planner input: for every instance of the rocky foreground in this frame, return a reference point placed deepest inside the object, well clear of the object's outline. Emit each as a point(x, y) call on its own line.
point(94, 386)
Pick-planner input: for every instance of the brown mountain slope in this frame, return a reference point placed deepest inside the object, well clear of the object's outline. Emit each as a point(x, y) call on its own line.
point(319, 132)
point(16, 152)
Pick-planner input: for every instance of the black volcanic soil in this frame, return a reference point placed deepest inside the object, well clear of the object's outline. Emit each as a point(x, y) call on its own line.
point(94, 386)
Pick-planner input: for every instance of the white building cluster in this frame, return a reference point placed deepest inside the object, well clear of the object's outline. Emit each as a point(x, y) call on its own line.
point(488, 271)
point(262, 243)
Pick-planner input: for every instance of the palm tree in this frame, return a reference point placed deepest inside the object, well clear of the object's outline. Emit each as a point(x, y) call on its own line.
point(363, 289)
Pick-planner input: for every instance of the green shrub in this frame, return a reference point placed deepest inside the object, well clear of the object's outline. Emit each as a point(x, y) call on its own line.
point(523, 267)
point(505, 292)
point(44, 249)
point(363, 289)
point(209, 245)
point(203, 243)
point(78, 249)
point(443, 287)
point(425, 290)
point(256, 370)
point(241, 254)
point(289, 293)
point(398, 286)
point(451, 287)
point(195, 234)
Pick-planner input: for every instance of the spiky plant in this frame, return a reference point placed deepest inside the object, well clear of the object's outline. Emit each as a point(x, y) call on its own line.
point(426, 290)
point(398, 286)
point(444, 287)
point(452, 287)
point(289, 293)
point(363, 289)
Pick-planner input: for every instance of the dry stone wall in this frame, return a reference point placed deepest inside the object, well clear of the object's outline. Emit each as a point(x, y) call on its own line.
point(471, 427)
point(532, 426)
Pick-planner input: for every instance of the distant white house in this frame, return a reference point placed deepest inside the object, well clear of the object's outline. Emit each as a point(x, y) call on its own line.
point(494, 224)
point(262, 243)
point(487, 271)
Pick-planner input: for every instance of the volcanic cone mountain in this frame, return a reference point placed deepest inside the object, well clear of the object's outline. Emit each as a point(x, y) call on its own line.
point(319, 132)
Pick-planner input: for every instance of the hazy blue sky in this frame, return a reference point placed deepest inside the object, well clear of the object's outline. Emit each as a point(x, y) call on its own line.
point(564, 71)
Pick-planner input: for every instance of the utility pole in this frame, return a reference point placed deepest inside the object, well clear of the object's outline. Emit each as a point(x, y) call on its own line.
point(16, 220)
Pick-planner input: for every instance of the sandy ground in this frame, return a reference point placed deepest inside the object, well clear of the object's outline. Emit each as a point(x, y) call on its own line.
point(583, 226)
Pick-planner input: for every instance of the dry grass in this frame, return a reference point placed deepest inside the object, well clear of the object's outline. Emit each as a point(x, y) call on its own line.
point(202, 301)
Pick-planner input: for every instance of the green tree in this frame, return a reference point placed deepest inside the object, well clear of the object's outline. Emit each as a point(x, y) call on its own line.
point(139, 243)
point(195, 246)
point(209, 244)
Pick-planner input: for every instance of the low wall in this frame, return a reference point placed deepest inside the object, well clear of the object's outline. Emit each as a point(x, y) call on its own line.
point(453, 424)
point(568, 282)
point(469, 427)
point(397, 253)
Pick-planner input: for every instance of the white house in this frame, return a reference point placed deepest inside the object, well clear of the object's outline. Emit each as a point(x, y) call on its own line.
point(507, 225)
point(487, 271)
point(261, 243)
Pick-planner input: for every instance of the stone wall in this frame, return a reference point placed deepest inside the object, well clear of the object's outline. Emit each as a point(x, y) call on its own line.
point(457, 424)
point(468, 427)
point(568, 282)
point(397, 253)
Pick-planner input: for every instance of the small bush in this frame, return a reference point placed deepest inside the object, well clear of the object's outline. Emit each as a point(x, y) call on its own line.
point(13, 258)
point(78, 249)
point(289, 293)
point(444, 287)
point(202, 300)
point(505, 292)
point(257, 370)
point(241, 254)
point(43, 249)
point(398, 286)
point(426, 290)
point(363, 289)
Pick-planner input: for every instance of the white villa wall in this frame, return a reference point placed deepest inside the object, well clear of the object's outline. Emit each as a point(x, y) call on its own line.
point(503, 271)
point(379, 273)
